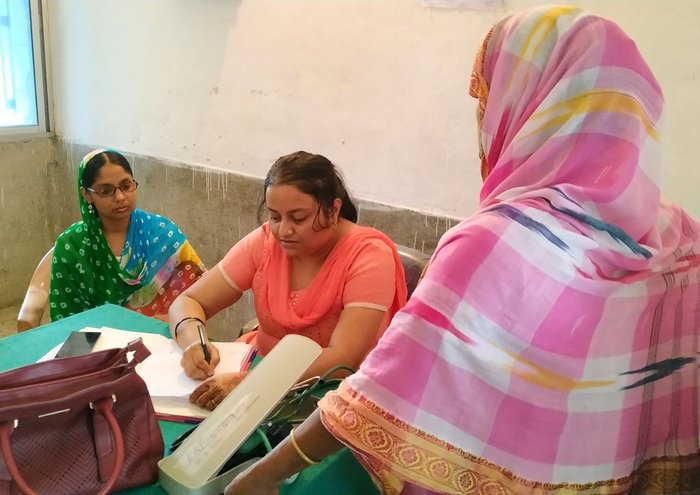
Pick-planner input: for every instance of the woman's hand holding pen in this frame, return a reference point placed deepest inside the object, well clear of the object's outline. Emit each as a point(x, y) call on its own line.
point(194, 361)
point(214, 390)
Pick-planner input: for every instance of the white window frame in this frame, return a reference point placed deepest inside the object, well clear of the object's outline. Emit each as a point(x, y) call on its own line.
point(43, 127)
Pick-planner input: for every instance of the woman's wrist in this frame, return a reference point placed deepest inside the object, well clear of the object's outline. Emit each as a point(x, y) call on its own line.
point(279, 464)
point(185, 320)
point(187, 333)
point(299, 450)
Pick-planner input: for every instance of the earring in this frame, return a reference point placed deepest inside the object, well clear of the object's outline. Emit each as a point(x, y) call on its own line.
point(91, 208)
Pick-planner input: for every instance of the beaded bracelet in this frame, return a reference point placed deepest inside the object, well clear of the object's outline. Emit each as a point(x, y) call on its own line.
point(184, 320)
point(301, 453)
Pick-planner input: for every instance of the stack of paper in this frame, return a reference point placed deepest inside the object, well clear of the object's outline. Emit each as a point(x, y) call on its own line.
point(166, 381)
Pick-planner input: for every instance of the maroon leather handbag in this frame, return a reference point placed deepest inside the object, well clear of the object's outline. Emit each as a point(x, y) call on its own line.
point(78, 425)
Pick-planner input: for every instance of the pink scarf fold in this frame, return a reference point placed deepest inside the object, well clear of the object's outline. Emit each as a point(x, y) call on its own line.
point(553, 345)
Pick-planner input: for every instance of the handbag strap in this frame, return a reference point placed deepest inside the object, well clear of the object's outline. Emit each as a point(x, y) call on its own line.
point(104, 406)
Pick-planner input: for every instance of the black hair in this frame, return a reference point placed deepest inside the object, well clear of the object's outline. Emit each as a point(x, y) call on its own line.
point(95, 164)
point(314, 175)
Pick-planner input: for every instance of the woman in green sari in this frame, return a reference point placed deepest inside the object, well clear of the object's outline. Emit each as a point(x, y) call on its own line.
point(118, 254)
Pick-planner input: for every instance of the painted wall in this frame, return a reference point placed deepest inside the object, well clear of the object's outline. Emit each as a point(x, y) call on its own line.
point(378, 86)
point(215, 209)
point(27, 212)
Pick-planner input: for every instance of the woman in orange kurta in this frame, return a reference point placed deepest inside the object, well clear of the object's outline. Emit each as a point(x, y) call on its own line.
point(311, 269)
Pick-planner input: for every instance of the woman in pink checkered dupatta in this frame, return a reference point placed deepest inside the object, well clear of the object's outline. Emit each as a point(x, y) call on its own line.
point(552, 347)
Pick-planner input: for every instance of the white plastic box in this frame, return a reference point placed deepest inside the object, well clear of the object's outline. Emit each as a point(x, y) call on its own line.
point(192, 469)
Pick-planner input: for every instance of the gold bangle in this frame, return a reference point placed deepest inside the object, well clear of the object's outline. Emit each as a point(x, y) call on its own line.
point(306, 458)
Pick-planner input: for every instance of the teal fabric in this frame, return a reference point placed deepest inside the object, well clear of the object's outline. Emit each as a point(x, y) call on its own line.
point(339, 474)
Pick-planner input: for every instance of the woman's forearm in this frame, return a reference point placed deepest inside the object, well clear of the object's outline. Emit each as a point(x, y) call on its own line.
point(329, 358)
point(209, 295)
point(352, 338)
point(185, 314)
point(312, 438)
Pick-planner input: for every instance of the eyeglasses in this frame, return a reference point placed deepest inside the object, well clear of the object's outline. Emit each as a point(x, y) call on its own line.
point(108, 190)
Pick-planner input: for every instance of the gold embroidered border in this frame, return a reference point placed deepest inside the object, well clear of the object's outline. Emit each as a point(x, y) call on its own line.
point(399, 449)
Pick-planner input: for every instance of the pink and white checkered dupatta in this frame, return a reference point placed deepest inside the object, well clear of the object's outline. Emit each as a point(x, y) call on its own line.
point(552, 346)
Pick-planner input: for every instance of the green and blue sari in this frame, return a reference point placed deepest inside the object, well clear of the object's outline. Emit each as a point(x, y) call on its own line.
point(156, 264)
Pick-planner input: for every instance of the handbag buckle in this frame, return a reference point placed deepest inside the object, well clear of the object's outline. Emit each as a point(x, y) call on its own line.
point(114, 399)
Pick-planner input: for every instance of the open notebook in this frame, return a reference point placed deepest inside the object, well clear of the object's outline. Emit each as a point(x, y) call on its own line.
point(166, 381)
